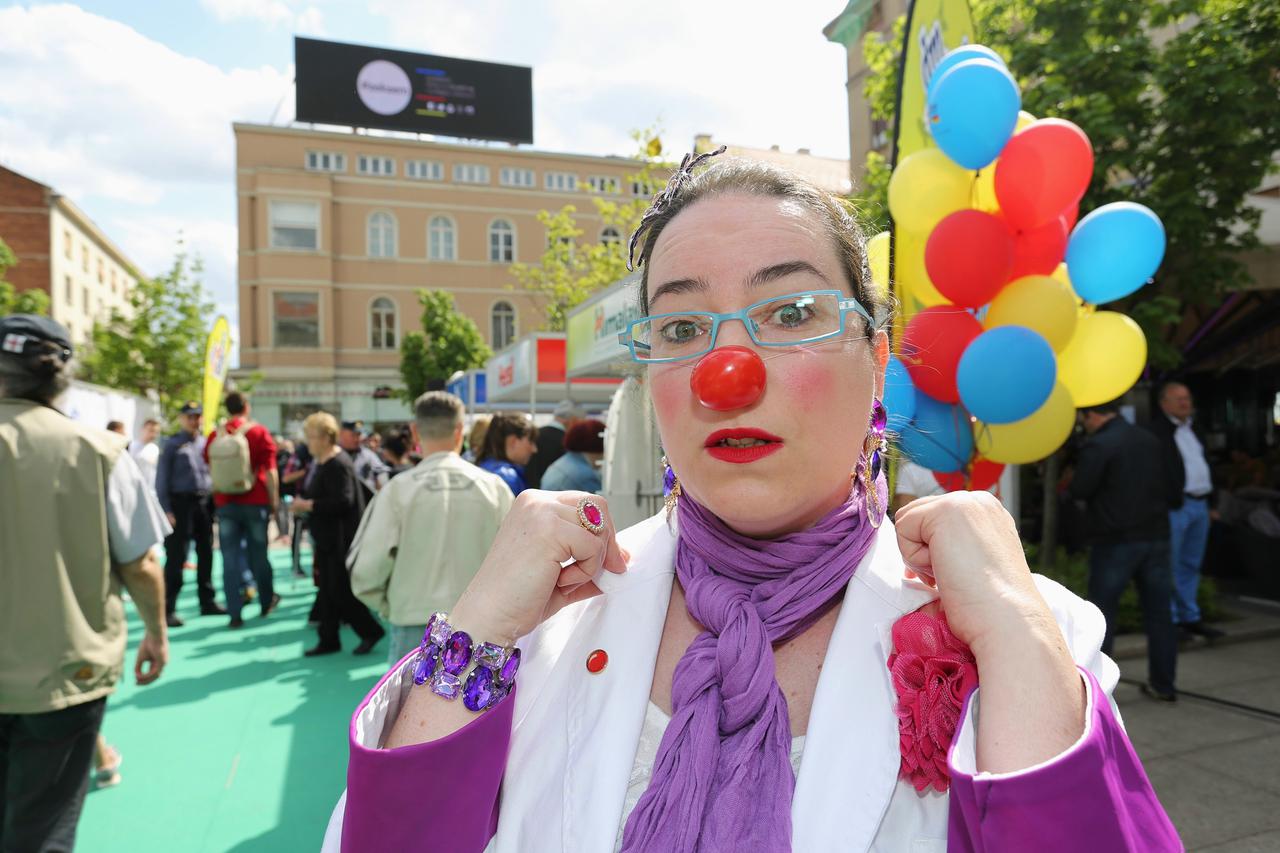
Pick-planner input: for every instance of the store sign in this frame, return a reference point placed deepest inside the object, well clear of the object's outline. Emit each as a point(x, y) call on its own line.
point(593, 332)
point(510, 370)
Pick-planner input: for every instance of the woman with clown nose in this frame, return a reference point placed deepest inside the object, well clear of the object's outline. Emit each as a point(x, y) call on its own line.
point(771, 664)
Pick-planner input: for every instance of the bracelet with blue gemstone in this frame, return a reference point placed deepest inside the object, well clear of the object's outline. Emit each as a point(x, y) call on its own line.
point(482, 674)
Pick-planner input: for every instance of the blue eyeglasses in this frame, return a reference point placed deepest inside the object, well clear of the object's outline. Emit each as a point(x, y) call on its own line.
point(783, 321)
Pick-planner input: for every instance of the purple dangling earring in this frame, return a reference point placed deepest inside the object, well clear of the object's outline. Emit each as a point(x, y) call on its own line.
point(873, 451)
point(670, 488)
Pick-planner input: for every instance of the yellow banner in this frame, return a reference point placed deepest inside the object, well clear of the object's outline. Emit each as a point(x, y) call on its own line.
point(933, 28)
point(217, 360)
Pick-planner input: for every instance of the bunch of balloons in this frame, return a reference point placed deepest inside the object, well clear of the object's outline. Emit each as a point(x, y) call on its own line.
point(1006, 341)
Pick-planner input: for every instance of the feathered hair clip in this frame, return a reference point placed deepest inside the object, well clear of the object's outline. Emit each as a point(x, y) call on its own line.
point(663, 200)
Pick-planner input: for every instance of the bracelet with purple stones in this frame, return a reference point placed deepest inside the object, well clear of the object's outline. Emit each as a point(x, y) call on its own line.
point(482, 674)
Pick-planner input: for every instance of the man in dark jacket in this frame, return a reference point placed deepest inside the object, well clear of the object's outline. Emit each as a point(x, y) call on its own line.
point(1120, 476)
point(551, 441)
point(1187, 467)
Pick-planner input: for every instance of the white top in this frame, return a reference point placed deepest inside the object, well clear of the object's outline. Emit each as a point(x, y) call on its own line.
point(655, 724)
point(916, 480)
point(1198, 481)
point(148, 457)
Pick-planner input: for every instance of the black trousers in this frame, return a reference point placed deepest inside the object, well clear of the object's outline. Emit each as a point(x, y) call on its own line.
point(336, 603)
point(1148, 565)
point(192, 521)
point(44, 770)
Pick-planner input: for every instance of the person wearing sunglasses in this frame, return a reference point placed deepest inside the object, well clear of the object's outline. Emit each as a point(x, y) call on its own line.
point(770, 663)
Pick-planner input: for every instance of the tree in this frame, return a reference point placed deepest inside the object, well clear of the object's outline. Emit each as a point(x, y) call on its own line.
point(570, 269)
point(449, 342)
point(1179, 100)
point(11, 300)
point(159, 344)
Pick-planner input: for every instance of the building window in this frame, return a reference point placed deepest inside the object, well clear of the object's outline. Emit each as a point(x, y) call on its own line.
point(382, 235)
point(470, 173)
point(610, 236)
point(295, 225)
point(368, 164)
point(424, 170)
point(604, 184)
point(67, 249)
point(502, 241)
point(84, 296)
point(643, 188)
point(513, 177)
point(326, 161)
point(382, 324)
point(502, 325)
point(440, 239)
point(84, 258)
point(563, 182)
point(102, 272)
point(113, 280)
point(297, 318)
point(71, 292)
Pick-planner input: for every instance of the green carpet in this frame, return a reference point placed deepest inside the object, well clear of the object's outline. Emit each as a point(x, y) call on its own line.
point(241, 745)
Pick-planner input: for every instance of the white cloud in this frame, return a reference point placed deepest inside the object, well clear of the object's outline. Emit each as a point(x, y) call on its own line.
point(274, 13)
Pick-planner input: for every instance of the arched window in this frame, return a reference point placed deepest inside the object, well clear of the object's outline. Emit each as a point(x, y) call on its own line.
point(502, 325)
point(441, 245)
point(610, 236)
point(502, 241)
point(382, 235)
point(382, 324)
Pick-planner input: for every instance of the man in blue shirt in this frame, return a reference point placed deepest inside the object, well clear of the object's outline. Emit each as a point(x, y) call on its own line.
point(183, 486)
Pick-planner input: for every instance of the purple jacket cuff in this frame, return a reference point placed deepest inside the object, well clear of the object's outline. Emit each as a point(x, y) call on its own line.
point(1095, 796)
point(429, 796)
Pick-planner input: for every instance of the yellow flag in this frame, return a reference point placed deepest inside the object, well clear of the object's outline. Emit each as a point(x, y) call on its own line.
point(217, 360)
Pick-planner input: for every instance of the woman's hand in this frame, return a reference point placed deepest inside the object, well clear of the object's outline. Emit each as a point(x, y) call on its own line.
point(541, 560)
point(298, 505)
point(965, 543)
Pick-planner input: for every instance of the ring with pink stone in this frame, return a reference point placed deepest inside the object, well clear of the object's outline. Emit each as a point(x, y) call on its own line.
point(590, 515)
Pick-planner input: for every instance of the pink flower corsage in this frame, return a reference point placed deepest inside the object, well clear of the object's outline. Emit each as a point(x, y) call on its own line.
point(933, 672)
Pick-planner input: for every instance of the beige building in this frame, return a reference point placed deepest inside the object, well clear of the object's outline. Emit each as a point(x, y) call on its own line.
point(338, 232)
point(61, 252)
point(830, 173)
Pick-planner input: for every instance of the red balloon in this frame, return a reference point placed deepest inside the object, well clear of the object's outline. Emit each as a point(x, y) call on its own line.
point(981, 475)
point(1042, 170)
point(1070, 215)
point(968, 256)
point(932, 345)
point(728, 378)
point(1039, 250)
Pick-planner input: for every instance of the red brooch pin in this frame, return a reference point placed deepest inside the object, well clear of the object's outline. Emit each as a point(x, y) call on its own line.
point(597, 661)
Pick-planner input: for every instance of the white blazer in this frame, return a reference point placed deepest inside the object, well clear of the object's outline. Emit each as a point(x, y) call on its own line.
point(575, 734)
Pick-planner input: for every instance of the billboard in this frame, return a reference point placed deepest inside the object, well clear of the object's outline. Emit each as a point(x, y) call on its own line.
point(363, 86)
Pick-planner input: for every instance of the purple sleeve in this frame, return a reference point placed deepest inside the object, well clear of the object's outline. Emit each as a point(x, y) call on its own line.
point(400, 799)
point(1095, 797)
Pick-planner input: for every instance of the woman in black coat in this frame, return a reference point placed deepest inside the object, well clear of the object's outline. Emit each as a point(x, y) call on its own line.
point(335, 502)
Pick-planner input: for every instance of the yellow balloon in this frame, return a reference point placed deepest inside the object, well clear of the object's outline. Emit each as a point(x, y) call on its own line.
point(1039, 302)
point(878, 261)
point(914, 288)
point(1032, 438)
point(924, 188)
point(1024, 118)
point(1105, 357)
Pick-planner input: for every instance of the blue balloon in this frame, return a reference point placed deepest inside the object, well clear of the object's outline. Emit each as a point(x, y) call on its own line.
point(939, 438)
point(973, 111)
point(954, 57)
point(899, 394)
point(1006, 374)
point(1114, 251)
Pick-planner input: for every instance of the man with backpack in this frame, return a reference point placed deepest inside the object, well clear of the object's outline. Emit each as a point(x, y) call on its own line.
point(246, 491)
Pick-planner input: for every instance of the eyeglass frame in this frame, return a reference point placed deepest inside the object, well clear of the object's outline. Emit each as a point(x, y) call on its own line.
point(845, 303)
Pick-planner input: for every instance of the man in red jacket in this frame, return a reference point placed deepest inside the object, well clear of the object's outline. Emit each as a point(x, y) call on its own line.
point(243, 516)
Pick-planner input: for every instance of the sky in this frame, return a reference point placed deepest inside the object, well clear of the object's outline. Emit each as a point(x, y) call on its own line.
point(126, 107)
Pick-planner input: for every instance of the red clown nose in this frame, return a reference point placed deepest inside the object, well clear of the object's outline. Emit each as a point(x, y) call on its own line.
point(728, 378)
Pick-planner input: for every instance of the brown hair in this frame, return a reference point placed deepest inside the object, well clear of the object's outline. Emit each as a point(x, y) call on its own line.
point(752, 178)
point(438, 414)
point(501, 426)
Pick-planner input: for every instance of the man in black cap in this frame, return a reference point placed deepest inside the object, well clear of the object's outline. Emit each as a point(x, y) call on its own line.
point(371, 471)
point(79, 521)
point(183, 486)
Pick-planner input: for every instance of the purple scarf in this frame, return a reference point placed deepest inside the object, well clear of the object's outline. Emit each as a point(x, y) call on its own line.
point(722, 779)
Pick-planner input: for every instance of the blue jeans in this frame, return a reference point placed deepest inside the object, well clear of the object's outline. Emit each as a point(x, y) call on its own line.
point(404, 639)
point(245, 522)
point(1111, 567)
point(1189, 526)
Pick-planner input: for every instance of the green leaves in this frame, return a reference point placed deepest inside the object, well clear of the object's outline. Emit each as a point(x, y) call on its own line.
point(11, 301)
point(449, 342)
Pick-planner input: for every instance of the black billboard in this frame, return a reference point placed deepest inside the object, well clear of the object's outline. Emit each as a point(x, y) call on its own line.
point(360, 86)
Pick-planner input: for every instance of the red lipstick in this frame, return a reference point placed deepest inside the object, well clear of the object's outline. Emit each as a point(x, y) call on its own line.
point(727, 453)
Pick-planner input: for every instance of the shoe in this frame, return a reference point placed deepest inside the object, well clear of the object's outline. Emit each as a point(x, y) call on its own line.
point(213, 609)
point(1203, 630)
point(366, 645)
point(268, 608)
point(1158, 695)
point(237, 622)
point(173, 620)
point(316, 651)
